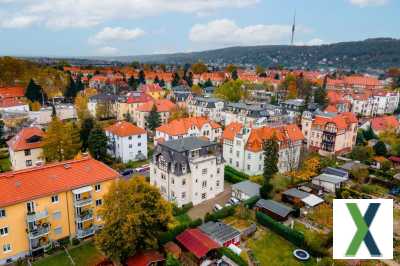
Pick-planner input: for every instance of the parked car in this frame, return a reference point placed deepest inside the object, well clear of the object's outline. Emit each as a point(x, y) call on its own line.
point(143, 169)
point(127, 172)
point(217, 207)
point(395, 191)
point(233, 201)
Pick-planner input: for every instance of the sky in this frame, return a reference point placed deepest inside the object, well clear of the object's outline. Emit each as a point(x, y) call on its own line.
point(67, 28)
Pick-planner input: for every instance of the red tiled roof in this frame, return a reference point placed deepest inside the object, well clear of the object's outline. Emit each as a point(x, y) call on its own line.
point(162, 105)
point(138, 97)
point(181, 126)
point(124, 129)
point(145, 258)
point(10, 102)
point(342, 121)
point(11, 92)
point(384, 123)
point(151, 88)
point(395, 159)
point(231, 130)
point(41, 181)
point(197, 242)
point(20, 141)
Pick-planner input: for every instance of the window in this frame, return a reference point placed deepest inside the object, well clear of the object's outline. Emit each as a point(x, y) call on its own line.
point(204, 184)
point(183, 182)
point(172, 194)
point(218, 170)
point(54, 199)
point(237, 164)
point(173, 181)
point(249, 156)
point(30, 206)
point(27, 152)
point(230, 150)
point(163, 176)
point(139, 136)
point(248, 167)
point(28, 162)
point(230, 160)
point(237, 153)
point(130, 146)
point(99, 202)
point(204, 171)
point(139, 144)
point(130, 137)
point(4, 231)
point(183, 195)
point(6, 248)
point(57, 215)
point(2, 213)
point(58, 230)
point(97, 187)
point(203, 196)
point(217, 183)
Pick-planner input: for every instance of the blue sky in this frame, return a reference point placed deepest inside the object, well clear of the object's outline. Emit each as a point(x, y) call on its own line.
point(131, 27)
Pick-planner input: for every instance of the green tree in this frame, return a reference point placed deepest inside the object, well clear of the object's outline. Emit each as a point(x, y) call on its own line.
point(162, 83)
point(34, 92)
point(87, 125)
point(380, 148)
point(97, 143)
point(271, 157)
point(172, 261)
point(361, 153)
point(2, 135)
point(74, 141)
point(232, 91)
point(175, 79)
point(156, 80)
point(79, 86)
point(234, 75)
point(321, 97)
point(133, 83)
point(208, 83)
point(360, 137)
point(369, 134)
point(135, 64)
point(153, 120)
point(142, 77)
point(135, 215)
point(199, 68)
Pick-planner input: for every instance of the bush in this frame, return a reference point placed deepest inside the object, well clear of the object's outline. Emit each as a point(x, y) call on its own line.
point(296, 237)
point(233, 176)
point(233, 256)
point(172, 233)
point(75, 241)
point(236, 172)
point(249, 203)
point(221, 214)
point(176, 211)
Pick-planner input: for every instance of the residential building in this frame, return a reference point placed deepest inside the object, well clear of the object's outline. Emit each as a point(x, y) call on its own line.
point(188, 170)
point(42, 205)
point(126, 107)
point(329, 133)
point(126, 142)
point(163, 107)
point(243, 147)
point(210, 107)
point(153, 90)
point(43, 117)
point(25, 148)
point(384, 123)
point(13, 105)
point(189, 127)
point(108, 103)
point(245, 190)
point(354, 82)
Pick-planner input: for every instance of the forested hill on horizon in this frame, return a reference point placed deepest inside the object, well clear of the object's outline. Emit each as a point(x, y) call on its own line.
point(378, 53)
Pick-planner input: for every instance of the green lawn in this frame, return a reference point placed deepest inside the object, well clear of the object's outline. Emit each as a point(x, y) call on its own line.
point(5, 165)
point(83, 255)
point(183, 218)
point(272, 250)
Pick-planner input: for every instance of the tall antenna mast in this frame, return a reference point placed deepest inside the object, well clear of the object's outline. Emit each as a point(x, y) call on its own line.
point(293, 28)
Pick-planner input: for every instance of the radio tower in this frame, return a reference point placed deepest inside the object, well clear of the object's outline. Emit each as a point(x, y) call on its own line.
point(293, 28)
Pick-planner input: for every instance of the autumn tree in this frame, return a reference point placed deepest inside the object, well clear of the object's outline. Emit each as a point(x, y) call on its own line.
point(271, 157)
point(199, 68)
point(310, 168)
point(153, 120)
point(232, 91)
point(81, 106)
point(97, 143)
point(260, 70)
point(177, 113)
point(61, 141)
point(321, 97)
point(196, 90)
point(135, 214)
point(230, 68)
point(34, 106)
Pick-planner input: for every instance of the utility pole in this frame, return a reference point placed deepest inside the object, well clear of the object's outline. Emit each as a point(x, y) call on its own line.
point(293, 28)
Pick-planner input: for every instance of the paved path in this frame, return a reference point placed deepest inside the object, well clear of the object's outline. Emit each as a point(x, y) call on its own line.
point(200, 210)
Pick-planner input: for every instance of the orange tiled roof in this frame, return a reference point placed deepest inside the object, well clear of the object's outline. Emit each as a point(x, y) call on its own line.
point(162, 105)
point(20, 141)
point(46, 180)
point(10, 102)
point(150, 88)
point(124, 129)
point(231, 130)
point(384, 123)
point(181, 126)
point(342, 121)
point(11, 92)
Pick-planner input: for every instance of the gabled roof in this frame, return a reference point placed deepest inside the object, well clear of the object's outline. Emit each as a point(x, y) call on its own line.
point(49, 179)
point(275, 207)
point(12, 92)
point(24, 140)
point(138, 97)
point(251, 189)
point(145, 258)
point(124, 129)
point(231, 130)
point(187, 144)
point(218, 231)
point(384, 123)
point(197, 242)
point(342, 120)
point(162, 105)
point(181, 126)
point(294, 192)
point(150, 88)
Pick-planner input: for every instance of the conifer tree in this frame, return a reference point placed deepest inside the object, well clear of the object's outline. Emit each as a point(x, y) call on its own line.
point(142, 77)
point(97, 143)
point(153, 120)
point(175, 79)
point(34, 92)
point(271, 157)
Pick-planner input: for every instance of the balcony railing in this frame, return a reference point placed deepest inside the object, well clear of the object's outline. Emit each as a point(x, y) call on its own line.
point(36, 216)
point(88, 215)
point(46, 245)
point(82, 233)
point(39, 231)
point(83, 202)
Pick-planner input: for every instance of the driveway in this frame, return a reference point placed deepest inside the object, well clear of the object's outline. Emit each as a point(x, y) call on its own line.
point(199, 211)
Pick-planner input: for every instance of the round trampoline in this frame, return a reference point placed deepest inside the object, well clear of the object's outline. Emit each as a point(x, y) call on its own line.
point(301, 254)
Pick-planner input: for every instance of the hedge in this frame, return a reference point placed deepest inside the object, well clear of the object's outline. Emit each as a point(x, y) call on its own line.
point(236, 172)
point(249, 203)
point(184, 209)
point(296, 237)
point(172, 233)
point(233, 256)
point(221, 214)
point(233, 176)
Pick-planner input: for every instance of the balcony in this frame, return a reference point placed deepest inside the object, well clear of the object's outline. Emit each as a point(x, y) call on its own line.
point(36, 216)
point(84, 216)
point(40, 231)
point(42, 243)
point(83, 202)
point(82, 233)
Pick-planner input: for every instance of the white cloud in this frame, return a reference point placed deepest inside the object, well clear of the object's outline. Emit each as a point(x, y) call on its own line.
point(60, 14)
point(109, 34)
point(364, 3)
point(224, 32)
point(107, 50)
point(18, 22)
point(314, 41)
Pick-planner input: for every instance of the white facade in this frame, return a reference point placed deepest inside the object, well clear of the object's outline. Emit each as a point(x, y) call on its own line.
point(212, 108)
point(127, 148)
point(373, 105)
point(15, 108)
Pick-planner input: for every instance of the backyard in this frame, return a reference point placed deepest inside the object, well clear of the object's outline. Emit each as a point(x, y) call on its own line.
point(83, 255)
